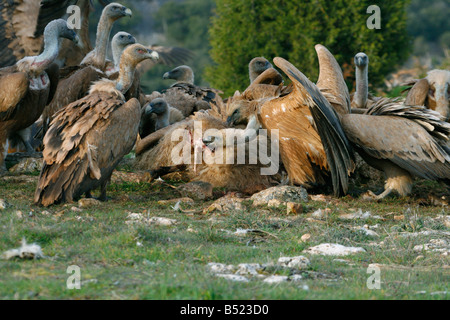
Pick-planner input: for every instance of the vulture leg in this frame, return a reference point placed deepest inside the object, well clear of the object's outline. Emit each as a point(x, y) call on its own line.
point(88, 194)
point(3, 153)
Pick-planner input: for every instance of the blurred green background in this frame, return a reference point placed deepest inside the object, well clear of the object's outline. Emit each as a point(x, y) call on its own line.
point(186, 23)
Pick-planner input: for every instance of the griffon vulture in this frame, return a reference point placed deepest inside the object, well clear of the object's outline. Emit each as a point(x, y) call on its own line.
point(402, 141)
point(22, 24)
point(312, 141)
point(432, 92)
point(76, 84)
point(260, 64)
point(156, 115)
point(362, 99)
point(184, 94)
point(89, 137)
point(27, 85)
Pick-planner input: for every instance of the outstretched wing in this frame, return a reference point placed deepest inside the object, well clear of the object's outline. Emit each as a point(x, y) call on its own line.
point(171, 56)
point(309, 128)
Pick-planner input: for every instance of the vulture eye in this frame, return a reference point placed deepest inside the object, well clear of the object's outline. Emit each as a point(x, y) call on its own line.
point(140, 51)
point(121, 37)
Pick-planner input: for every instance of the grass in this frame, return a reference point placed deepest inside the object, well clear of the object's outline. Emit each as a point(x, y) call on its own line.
point(141, 261)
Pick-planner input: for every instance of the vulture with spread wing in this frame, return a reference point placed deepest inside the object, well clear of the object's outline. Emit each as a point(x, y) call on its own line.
point(311, 138)
point(402, 141)
point(89, 137)
point(27, 86)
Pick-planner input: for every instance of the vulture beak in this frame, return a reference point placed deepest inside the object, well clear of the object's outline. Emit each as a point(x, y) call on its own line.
point(127, 12)
point(154, 55)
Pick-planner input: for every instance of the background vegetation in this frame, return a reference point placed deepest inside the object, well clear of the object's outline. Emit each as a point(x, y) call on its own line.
point(226, 34)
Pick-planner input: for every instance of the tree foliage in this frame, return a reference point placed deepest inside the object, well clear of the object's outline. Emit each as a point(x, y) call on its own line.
point(244, 29)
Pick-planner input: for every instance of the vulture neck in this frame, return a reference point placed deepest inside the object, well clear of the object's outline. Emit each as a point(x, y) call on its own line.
point(126, 75)
point(101, 44)
point(362, 87)
point(163, 119)
point(48, 56)
point(117, 53)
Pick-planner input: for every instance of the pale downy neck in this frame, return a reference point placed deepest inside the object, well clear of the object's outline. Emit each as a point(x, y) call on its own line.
point(117, 51)
point(50, 53)
point(163, 119)
point(362, 87)
point(101, 43)
point(126, 75)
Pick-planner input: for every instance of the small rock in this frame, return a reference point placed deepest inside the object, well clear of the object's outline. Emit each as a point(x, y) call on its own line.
point(233, 277)
point(283, 194)
point(88, 203)
point(221, 267)
point(45, 213)
point(226, 204)
point(399, 218)
point(305, 238)
point(359, 215)
point(294, 208)
point(299, 262)
point(19, 214)
point(26, 251)
point(332, 249)
point(175, 201)
point(76, 209)
point(162, 221)
point(367, 231)
point(4, 204)
point(274, 203)
point(275, 279)
point(296, 278)
point(197, 190)
point(28, 165)
point(321, 214)
point(253, 269)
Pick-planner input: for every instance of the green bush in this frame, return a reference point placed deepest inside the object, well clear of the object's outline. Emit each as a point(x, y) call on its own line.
point(244, 29)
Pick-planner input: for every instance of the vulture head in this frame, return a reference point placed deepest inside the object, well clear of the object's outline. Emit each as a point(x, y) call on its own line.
point(53, 32)
point(136, 53)
point(119, 42)
point(115, 11)
point(182, 74)
point(239, 112)
point(131, 57)
point(157, 106)
point(257, 66)
point(361, 60)
point(432, 92)
point(439, 94)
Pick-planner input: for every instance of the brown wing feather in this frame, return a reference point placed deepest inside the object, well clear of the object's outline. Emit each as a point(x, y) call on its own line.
point(14, 87)
point(170, 56)
point(84, 144)
point(75, 87)
point(338, 151)
point(300, 144)
point(331, 81)
point(403, 141)
point(418, 93)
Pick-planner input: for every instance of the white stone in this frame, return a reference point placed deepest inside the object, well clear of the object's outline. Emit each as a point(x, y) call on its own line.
point(299, 262)
point(275, 279)
point(333, 249)
point(233, 277)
